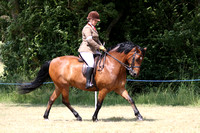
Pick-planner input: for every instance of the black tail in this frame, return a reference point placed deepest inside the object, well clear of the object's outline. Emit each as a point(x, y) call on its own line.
point(43, 75)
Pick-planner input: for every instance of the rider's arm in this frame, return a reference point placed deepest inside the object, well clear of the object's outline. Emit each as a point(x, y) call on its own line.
point(99, 42)
point(89, 38)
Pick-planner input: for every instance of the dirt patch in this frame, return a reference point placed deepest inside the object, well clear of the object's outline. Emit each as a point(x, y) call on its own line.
point(27, 118)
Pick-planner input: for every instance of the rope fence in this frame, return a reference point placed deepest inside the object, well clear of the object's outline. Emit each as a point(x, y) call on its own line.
point(128, 80)
point(167, 81)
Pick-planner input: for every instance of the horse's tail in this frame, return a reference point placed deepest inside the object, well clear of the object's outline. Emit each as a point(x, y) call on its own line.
point(43, 75)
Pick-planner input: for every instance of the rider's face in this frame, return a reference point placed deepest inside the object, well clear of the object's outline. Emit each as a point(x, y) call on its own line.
point(94, 22)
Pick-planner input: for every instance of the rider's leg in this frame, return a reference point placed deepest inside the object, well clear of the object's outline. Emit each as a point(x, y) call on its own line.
point(89, 72)
point(89, 59)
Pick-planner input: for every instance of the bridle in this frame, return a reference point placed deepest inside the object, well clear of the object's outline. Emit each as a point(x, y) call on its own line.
point(128, 67)
point(133, 60)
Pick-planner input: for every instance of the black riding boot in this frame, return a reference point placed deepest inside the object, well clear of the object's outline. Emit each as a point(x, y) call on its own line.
point(89, 72)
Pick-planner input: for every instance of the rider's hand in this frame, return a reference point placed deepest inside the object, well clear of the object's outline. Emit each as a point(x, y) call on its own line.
point(102, 48)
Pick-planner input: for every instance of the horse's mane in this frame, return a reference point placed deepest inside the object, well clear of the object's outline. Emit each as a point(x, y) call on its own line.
point(125, 47)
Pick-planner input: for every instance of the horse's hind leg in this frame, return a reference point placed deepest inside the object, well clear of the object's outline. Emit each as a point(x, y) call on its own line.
point(53, 97)
point(65, 101)
point(125, 95)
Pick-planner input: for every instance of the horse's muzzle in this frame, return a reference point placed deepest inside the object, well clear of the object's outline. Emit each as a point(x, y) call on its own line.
point(133, 73)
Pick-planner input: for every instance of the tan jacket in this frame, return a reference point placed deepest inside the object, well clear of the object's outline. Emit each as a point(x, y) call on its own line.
point(89, 45)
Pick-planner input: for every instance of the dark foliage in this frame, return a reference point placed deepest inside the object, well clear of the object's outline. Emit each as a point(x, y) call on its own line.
point(37, 31)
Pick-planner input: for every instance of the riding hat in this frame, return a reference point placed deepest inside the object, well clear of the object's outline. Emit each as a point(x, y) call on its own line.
point(93, 15)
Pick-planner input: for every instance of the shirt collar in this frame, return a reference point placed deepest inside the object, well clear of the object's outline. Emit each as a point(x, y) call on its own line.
point(91, 24)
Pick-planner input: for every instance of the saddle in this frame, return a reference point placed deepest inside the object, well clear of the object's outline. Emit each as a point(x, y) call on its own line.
point(97, 63)
point(97, 57)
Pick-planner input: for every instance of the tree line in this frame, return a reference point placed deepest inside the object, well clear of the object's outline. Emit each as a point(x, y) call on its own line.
point(37, 31)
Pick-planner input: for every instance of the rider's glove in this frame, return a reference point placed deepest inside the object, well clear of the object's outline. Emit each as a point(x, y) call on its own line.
point(102, 48)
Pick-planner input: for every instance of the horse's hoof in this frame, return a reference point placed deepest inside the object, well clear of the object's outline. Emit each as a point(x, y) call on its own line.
point(79, 118)
point(140, 118)
point(94, 119)
point(46, 119)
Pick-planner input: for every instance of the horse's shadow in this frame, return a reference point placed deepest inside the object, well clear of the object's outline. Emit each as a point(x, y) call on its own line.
point(121, 119)
point(114, 119)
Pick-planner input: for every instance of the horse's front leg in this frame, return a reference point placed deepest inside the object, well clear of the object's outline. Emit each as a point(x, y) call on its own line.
point(101, 96)
point(124, 94)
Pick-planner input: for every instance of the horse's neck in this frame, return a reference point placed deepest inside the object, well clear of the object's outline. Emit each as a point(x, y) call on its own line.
point(118, 61)
point(117, 67)
point(119, 56)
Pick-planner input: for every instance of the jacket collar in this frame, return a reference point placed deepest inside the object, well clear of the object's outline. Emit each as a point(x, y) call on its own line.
point(93, 28)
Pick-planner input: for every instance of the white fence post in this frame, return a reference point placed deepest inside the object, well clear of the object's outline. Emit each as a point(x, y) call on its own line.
point(95, 99)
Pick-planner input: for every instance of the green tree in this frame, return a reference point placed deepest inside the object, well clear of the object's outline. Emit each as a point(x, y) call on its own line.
point(37, 31)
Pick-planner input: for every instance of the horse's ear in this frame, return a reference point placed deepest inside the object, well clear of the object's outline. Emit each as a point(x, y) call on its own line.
point(145, 48)
point(137, 49)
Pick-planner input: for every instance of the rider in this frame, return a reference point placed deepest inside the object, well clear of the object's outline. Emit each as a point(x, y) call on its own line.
point(90, 44)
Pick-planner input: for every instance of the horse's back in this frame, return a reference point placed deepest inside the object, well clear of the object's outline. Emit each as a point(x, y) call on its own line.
point(63, 61)
point(65, 69)
point(65, 58)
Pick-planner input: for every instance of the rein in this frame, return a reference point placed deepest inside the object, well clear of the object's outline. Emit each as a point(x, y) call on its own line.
point(123, 64)
point(129, 68)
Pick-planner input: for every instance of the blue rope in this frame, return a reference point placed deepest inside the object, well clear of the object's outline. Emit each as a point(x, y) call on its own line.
point(132, 80)
point(10, 83)
point(167, 81)
point(22, 83)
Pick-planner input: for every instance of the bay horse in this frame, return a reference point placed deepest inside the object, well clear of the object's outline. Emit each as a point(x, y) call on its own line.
point(66, 72)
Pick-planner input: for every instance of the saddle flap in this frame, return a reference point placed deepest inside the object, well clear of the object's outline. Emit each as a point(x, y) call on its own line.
point(84, 68)
point(97, 59)
point(80, 59)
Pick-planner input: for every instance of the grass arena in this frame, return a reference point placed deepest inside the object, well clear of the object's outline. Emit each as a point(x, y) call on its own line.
point(25, 118)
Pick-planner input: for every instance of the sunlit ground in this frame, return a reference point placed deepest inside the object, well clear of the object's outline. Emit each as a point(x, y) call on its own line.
point(27, 118)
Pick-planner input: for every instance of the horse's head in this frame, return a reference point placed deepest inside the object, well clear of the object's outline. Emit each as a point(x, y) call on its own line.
point(133, 55)
point(134, 59)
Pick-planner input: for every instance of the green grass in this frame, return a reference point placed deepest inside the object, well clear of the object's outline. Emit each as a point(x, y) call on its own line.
point(41, 96)
point(185, 95)
point(168, 94)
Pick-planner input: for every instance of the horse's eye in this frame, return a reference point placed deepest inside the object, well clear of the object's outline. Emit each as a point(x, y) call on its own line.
point(138, 59)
